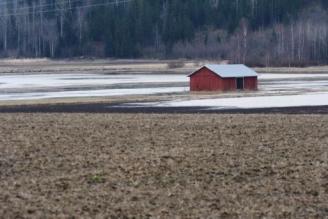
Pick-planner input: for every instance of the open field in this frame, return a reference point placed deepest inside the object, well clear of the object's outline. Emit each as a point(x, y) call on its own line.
point(46, 66)
point(143, 166)
point(35, 66)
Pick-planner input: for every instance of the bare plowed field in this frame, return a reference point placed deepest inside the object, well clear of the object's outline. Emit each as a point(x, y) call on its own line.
point(142, 166)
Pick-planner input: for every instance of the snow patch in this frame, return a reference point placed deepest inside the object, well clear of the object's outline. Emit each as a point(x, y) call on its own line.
point(315, 99)
point(91, 93)
point(290, 76)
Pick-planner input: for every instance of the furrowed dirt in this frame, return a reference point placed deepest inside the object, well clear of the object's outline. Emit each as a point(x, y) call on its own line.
point(143, 166)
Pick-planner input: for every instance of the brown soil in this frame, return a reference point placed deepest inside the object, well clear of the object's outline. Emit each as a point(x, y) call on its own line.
point(167, 166)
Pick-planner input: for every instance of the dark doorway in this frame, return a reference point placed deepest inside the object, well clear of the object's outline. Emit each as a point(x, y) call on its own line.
point(240, 83)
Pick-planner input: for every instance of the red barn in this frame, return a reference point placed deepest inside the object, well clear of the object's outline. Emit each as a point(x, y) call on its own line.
point(223, 78)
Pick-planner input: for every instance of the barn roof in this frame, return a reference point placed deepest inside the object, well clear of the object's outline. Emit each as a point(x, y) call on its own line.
point(230, 71)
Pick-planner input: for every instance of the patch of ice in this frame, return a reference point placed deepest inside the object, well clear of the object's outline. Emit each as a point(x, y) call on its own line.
point(91, 93)
point(60, 80)
point(313, 99)
point(290, 76)
point(26, 83)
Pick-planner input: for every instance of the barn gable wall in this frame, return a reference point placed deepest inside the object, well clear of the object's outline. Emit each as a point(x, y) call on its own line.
point(205, 80)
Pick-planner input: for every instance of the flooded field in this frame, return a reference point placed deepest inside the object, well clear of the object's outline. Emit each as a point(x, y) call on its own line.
point(153, 82)
point(37, 86)
point(45, 86)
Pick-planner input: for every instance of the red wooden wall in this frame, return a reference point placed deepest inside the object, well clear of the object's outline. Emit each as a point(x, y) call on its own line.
point(250, 83)
point(206, 80)
point(229, 84)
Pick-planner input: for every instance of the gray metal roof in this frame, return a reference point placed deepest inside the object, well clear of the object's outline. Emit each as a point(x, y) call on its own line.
point(231, 71)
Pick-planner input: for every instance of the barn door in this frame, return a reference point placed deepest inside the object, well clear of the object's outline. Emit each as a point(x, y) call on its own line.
point(240, 83)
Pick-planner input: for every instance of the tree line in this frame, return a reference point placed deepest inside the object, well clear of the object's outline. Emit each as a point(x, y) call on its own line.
point(256, 32)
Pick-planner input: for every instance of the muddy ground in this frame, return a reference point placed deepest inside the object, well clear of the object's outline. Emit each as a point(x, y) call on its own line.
point(163, 166)
point(120, 107)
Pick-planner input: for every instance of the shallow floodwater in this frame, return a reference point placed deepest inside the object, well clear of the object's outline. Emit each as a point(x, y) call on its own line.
point(44, 86)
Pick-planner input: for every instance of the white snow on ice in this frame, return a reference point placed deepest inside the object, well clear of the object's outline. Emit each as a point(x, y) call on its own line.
point(269, 76)
point(313, 99)
point(60, 80)
point(91, 93)
point(26, 86)
point(318, 85)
